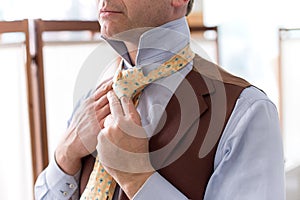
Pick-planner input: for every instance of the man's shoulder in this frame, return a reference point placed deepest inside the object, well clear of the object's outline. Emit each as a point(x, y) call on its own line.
point(220, 81)
point(211, 71)
point(253, 95)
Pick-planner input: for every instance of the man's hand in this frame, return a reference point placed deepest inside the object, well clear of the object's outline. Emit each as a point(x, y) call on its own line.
point(80, 138)
point(123, 146)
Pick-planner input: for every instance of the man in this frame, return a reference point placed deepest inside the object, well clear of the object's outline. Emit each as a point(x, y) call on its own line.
point(219, 135)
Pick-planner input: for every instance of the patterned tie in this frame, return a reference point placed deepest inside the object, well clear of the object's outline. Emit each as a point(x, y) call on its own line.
point(130, 83)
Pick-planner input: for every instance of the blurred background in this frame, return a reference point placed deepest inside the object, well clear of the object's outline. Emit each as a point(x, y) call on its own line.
point(45, 44)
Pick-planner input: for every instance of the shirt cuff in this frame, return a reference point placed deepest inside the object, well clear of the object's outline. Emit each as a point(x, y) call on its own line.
point(157, 187)
point(61, 184)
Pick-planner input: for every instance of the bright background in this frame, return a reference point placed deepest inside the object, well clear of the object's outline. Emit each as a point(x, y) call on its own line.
point(248, 48)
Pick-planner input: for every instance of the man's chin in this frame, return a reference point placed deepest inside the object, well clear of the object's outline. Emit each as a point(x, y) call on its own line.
point(111, 34)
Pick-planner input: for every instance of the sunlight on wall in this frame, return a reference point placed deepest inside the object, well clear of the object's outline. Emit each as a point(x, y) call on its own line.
point(55, 9)
point(291, 107)
point(249, 48)
point(15, 154)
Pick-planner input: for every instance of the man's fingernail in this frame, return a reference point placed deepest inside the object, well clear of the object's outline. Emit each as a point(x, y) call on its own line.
point(125, 99)
point(109, 94)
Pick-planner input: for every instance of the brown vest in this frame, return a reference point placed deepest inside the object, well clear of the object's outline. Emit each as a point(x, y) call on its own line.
point(184, 148)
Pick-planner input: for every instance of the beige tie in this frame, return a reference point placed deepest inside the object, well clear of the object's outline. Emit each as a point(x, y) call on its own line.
point(130, 83)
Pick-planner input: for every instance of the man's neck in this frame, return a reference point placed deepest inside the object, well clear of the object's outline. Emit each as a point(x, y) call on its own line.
point(132, 51)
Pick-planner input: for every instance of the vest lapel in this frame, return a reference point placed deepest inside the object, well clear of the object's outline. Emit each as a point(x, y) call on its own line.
point(184, 110)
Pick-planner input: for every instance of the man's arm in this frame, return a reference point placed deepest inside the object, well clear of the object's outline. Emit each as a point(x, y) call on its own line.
point(157, 187)
point(60, 178)
point(249, 162)
point(53, 183)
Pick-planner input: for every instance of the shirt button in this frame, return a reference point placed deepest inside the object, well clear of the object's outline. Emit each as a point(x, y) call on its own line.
point(65, 193)
point(71, 186)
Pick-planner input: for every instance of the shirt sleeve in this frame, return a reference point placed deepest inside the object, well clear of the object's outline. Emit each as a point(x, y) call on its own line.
point(53, 183)
point(249, 162)
point(158, 188)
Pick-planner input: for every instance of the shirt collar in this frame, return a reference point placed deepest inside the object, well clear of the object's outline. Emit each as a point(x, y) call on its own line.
point(156, 45)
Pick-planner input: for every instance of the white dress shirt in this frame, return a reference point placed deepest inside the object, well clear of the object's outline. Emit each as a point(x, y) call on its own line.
point(249, 159)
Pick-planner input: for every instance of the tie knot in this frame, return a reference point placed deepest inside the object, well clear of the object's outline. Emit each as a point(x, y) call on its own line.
point(132, 81)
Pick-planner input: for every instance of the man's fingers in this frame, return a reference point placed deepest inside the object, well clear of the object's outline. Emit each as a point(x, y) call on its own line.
point(103, 112)
point(115, 105)
point(125, 105)
point(130, 110)
point(108, 121)
point(101, 102)
point(103, 89)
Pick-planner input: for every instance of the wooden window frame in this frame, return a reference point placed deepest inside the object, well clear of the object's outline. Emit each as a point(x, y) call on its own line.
point(281, 36)
point(21, 26)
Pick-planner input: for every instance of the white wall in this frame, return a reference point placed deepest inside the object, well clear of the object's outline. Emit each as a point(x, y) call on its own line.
point(15, 154)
